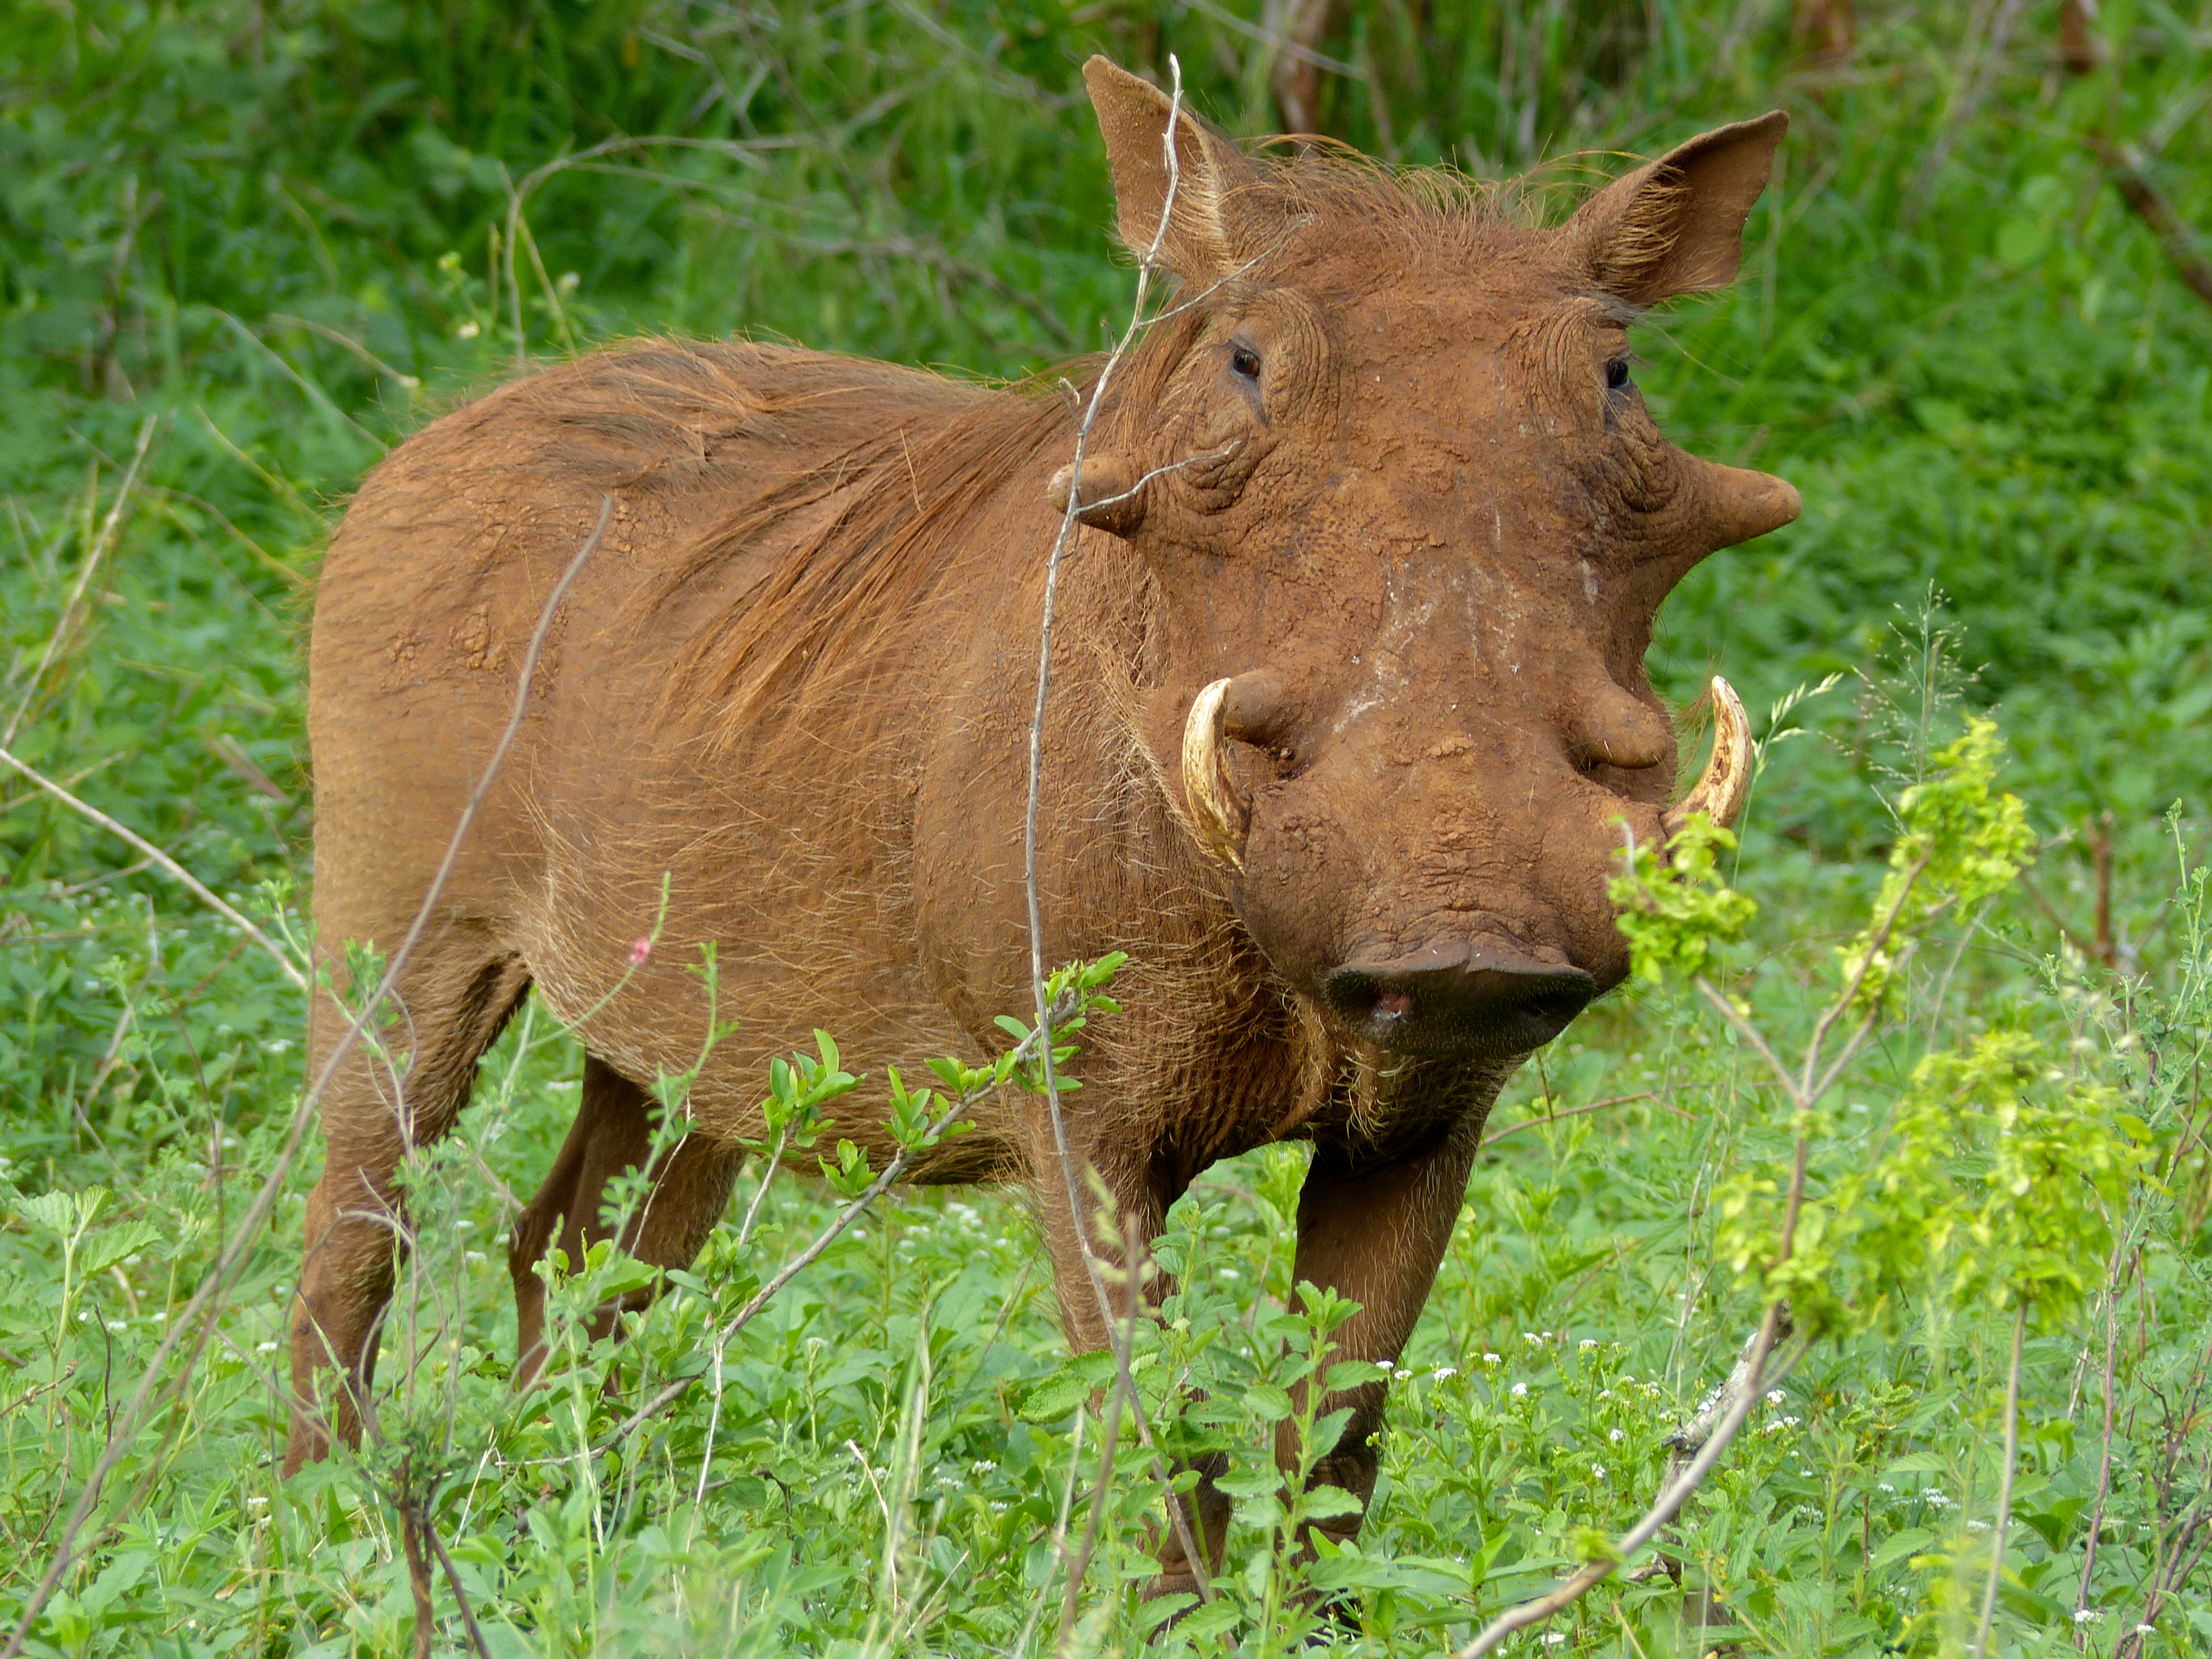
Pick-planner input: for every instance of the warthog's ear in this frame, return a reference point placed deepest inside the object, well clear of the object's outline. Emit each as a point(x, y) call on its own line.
point(1675, 225)
point(1133, 115)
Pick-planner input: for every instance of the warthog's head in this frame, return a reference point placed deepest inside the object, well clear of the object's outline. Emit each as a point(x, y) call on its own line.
point(1415, 532)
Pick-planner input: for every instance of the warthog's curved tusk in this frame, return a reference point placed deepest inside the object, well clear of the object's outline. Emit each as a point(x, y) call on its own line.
point(1719, 794)
point(1215, 806)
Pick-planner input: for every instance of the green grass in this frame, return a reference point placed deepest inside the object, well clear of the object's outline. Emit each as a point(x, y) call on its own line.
point(278, 234)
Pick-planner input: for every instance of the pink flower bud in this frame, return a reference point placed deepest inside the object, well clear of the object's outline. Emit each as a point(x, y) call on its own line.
point(640, 951)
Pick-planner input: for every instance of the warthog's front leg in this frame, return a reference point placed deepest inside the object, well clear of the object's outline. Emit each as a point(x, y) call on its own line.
point(1373, 1233)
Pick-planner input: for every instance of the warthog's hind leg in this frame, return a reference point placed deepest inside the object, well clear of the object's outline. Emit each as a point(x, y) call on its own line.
point(688, 1189)
point(384, 1099)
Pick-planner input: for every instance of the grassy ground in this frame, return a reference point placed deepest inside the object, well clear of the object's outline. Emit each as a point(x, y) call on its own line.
point(260, 242)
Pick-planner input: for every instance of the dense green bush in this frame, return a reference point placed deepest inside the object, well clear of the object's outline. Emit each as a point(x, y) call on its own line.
point(251, 243)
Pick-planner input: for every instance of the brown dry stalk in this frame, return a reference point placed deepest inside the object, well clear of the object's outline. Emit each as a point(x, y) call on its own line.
point(169, 866)
point(1178, 1516)
point(1671, 1498)
point(2148, 203)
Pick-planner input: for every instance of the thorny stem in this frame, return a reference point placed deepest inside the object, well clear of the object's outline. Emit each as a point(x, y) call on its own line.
point(2002, 1524)
point(1178, 1516)
point(768, 1166)
point(243, 1238)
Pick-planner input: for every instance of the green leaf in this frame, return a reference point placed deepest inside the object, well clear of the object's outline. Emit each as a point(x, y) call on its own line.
point(104, 1250)
point(1267, 1402)
point(1898, 1546)
point(1319, 1503)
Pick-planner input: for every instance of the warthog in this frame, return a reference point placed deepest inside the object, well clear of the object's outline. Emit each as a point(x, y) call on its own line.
point(1349, 722)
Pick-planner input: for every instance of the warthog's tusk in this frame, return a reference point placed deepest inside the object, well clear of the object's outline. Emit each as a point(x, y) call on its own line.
point(1719, 794)
point(1216, 806)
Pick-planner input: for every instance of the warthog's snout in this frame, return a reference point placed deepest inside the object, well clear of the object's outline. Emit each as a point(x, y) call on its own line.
point(1470, 999)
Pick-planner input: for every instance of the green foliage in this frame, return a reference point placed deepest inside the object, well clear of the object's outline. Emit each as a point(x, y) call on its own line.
point(1674, 907)
point(272, 238)
point(1958, 844)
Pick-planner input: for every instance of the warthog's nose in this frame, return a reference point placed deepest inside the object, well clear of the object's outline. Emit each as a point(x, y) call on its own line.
point(1470, 999)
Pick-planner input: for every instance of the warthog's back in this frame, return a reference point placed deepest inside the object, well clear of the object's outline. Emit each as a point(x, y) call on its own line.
point(730, 468)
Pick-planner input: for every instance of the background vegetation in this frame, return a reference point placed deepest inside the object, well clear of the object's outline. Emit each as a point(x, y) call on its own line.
point(249, 244)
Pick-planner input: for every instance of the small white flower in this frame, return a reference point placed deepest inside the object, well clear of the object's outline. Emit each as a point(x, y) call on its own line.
point(2142, 1630)
point(1402, 1376)
point(982, 1466)
point(472, 1255)
point(1531, 1337)
point(1553, 1638)
point(1774, 1396)
point(1230, 1274)
point(1547, 1336)
point(469, 330)
point(264, 1347)
point(2088, 1615)
point(1885, 1486)
point(118, 1324)
point(1598, 1470)
point(257, 1502)
point(1490, 1360)
point(1978, 1526)
point(1616, 1436)
point(1442, 1372)
point(1588, 1342)
point(1520, 1388)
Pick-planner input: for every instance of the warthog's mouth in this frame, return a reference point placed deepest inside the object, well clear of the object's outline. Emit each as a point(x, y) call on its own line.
point(1470, 999)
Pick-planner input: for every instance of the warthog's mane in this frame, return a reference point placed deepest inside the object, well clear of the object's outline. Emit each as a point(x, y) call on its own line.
point(864, 534)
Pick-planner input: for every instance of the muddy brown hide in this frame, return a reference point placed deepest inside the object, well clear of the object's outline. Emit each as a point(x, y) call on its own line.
point(1416, 518)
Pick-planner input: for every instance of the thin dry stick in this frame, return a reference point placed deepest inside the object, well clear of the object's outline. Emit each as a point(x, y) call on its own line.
point(829, 1235)
point(65, 624)
point(2002, 1524)
point(460, 1595)
point(1078, 1565)
point(1671, 1500)
point(169, 866)
point(1742, 1391)
point(2148, 203)
point(2105, 1453)
point(1497, 1135)
point(1178, 1516)
point(243, 1239)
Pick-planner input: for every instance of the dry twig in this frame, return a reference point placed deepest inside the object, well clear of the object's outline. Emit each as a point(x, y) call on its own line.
point(1148, 262)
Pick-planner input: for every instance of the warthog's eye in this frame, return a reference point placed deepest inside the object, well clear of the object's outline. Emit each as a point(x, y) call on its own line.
point(1616, 375)
point(1244, 361)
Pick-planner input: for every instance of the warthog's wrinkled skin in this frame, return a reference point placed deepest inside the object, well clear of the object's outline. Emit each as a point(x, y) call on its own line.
point(1426, 540)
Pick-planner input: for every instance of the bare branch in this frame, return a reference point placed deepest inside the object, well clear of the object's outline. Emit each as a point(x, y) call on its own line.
point(154, 855)
point(1148, 262)
point(1670, 1501)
